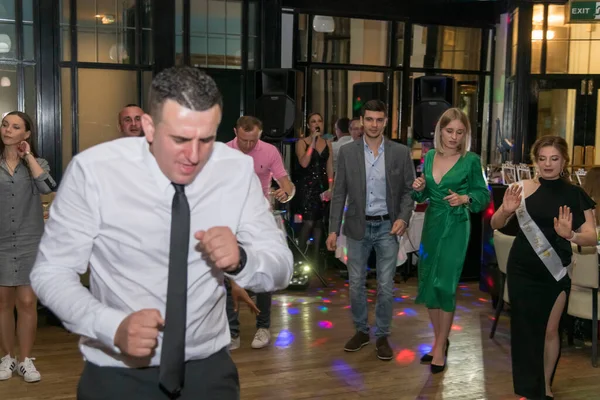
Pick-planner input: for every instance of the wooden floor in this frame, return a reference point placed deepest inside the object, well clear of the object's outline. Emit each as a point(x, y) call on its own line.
point(306, 358)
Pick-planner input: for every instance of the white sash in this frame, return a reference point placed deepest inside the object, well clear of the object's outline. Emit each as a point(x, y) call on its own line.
point(538, 240)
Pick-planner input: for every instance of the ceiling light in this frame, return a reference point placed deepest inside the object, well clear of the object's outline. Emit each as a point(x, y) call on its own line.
point(106, 19)
point(323, 24)
point(5, 43)
point(5, 81)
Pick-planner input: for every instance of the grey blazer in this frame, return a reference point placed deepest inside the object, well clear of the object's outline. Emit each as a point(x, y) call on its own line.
point(350, 183)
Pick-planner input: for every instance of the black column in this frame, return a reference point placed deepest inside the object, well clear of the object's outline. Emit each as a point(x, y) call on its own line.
point(271, 34)
point(47, 47)
point(522, 85)
point(163, 34)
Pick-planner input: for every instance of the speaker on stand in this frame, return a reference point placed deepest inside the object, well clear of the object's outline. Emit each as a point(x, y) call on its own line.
point(275, 104)
point(365, 91)
point(432, 95)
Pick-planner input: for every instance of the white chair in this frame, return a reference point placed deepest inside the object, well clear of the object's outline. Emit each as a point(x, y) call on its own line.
point(502, 246)
point(583, 299)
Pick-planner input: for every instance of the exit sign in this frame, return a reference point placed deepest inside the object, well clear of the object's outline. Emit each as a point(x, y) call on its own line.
point(584, 11)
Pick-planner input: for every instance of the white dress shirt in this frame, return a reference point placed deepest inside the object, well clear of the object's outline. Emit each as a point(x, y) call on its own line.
point(113, 212)
point(335, 146)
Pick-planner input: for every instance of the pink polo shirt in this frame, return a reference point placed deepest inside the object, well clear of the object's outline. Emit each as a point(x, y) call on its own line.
point(267, 163)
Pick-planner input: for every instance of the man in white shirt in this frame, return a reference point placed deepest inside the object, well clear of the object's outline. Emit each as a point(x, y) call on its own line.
point(356, 128)
point(160, 221)
point(130, 120)
point(342, 131)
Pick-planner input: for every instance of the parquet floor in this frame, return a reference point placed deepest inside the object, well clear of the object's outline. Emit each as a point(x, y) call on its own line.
point(306, 359)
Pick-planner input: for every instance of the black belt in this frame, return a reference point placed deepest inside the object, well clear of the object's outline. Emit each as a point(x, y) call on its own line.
point(385, 217)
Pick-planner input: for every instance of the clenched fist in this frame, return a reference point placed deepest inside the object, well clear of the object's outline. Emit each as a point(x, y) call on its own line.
point(137, 335)
point(419, 184)
point(219, 246)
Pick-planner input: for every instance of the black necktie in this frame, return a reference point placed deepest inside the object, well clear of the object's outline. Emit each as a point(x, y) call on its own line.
point(172, 358)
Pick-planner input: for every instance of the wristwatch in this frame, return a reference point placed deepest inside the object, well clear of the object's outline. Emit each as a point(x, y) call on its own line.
point(243, 260)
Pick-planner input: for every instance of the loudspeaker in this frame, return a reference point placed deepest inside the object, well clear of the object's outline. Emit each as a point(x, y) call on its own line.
point(365, 91)
point(275, 105)
point(432, 96)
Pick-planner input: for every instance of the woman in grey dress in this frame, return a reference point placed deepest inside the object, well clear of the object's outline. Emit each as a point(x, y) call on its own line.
point(23, 177)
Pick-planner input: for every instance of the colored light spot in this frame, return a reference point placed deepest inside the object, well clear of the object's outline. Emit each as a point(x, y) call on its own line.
point(319, 342)
point(293, 311)
point(323, 309)
point(405, 357)
point(284, 339)
point(410, 312)
point(424, 348)
point(349, 376)
point(456, 328)
point(325, 324)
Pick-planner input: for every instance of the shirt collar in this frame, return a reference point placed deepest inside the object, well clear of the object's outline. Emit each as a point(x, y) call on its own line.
point(161, 180)
point(381, 147)
point(256, 148)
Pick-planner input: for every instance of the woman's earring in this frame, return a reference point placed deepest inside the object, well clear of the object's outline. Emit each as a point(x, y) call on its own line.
point(562, 173)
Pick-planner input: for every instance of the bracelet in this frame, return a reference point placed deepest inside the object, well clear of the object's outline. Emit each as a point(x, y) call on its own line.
point(290, 196)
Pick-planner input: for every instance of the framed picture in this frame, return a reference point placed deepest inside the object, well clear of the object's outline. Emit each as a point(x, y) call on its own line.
point(494, 173)
point(509, 174)
point(580, 175)
point(523, 172)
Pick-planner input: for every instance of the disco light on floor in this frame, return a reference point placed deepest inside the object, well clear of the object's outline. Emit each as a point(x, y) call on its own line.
point(301, 275)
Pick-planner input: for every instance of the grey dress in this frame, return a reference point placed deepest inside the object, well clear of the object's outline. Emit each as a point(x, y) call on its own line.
point(21, 220)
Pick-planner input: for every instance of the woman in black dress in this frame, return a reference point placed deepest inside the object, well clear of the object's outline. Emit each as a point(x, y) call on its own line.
point(315, 182)
point(560, 214)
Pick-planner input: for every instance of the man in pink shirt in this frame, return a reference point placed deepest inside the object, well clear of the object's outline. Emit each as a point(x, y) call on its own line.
point(268, 165)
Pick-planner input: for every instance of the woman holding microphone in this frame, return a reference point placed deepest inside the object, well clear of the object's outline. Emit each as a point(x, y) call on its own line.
point(316, 180)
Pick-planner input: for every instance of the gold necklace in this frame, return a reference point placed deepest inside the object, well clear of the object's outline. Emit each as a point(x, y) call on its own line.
point(11, 170)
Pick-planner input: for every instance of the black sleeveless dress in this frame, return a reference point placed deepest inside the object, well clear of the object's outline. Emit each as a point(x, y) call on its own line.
point(532, 289)
point(311, 183)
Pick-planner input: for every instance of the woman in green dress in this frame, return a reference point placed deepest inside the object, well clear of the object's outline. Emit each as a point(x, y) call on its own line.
point(454, 183)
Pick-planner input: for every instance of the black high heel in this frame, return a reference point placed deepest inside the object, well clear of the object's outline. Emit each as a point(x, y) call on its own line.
point(427, 358)
point(436, 369)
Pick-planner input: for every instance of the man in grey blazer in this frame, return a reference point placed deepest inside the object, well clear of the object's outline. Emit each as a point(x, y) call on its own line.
point(374, 176)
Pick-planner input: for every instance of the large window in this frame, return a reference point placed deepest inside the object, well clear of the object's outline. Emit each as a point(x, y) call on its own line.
point(337, 53)
point(215, 33)
point(17, 60)
point(106, 64)
point(446, 47)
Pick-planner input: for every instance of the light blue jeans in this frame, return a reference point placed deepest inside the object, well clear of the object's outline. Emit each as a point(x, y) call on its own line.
point(377, 235)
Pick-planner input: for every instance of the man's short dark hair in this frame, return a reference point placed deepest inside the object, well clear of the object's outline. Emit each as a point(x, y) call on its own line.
point(189, 87)
point(343, 124)
point(247, 123)
point(374, 105)
point(132, 105)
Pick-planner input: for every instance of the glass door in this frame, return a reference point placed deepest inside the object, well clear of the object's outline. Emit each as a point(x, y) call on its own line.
point(568, 107)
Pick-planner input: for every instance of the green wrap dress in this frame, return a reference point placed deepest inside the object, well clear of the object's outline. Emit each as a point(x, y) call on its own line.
point(446, 229)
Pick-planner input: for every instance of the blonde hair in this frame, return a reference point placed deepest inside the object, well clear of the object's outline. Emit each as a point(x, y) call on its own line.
point(591, 185)
point(453, 114)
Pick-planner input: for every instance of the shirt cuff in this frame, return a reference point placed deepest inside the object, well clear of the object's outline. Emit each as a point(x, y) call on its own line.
point(107, 322)
point(43, 176)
